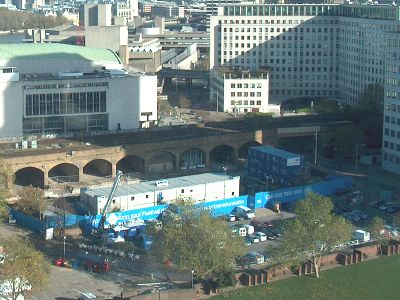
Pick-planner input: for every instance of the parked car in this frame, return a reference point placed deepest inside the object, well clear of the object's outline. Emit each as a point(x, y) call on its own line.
point(359, 213)
point(270, 236)
point(254, 238)
point(248, 241)
point(261, 235)
point(351, 217)
point(230, 217)
point(382, 208)
point(392, 209)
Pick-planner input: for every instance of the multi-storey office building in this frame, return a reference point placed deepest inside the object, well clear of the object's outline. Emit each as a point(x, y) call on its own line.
point(237, 90)
point(391, 118)
point(311, 50)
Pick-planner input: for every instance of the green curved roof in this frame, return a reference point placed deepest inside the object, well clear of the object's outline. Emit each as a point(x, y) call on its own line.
point(54, 50)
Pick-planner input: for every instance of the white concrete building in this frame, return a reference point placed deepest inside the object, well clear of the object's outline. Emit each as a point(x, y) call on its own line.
point(391, 118)
point(311, 50)
point(237, 90)
point(200, 188)
point(57, 88)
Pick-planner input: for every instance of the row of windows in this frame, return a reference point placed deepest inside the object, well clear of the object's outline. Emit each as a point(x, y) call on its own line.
point(246, 85)
point(245, 94)
point(392, 120)
point(246, 102)
point(278, 29)
point(391, 158)
point(64, 85)
point(65, 103)
point(391, 146)
point(392, 133)
point(60, 124)
point(392, 107)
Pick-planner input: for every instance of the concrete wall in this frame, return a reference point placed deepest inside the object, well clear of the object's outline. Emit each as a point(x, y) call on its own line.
point(106, 37)
point(11, 109)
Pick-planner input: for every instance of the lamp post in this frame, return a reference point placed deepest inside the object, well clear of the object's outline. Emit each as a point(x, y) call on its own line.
point(357, 146)
point(225, 168)
point(267, 183)
point(192, 275)
point(316, 147)
point(64, 242)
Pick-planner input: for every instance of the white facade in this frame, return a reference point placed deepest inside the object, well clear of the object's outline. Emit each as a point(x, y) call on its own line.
point(106, 37)
point(59, 90)
point(391, 118)
point(239, 91)
point(312, 50)
point(199, 188)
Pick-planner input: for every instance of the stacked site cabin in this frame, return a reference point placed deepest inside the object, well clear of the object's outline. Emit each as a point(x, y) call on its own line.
point(274, 165)
point(199, 188)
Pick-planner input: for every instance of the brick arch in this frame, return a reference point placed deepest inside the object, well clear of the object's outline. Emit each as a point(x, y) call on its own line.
point(29, 176)
point(98, 167)
point(64, 172)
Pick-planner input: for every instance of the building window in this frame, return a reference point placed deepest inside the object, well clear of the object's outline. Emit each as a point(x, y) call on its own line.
point(132, 198)
point(147, 196)
point(182, 191)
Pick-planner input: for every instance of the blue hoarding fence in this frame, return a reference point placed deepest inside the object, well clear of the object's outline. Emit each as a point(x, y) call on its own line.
point(218, 208)
point(27, 221)
point(288, 195)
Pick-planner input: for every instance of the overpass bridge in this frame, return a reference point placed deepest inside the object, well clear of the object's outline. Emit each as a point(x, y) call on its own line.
point(183, 74)
point(146, 152)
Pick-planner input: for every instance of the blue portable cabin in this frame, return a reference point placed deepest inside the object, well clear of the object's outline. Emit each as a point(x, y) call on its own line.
point(274, 165)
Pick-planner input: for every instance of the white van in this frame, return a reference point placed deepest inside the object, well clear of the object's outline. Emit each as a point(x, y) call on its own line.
point(239, 230)
point(249, 229)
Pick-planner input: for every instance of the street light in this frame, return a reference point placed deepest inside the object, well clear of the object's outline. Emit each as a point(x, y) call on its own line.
point(357, 146)
point(192, 277)
point(225, 168)
point(316, 147)
point(64, 245)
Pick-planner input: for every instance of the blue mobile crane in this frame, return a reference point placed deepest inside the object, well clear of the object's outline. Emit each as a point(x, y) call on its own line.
point(100, 228)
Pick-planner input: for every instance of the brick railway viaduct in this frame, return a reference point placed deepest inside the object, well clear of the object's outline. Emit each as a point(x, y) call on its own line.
point(178, 150)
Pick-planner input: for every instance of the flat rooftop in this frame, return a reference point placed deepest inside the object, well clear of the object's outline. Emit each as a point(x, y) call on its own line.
point(275, 152)
point(150, 186)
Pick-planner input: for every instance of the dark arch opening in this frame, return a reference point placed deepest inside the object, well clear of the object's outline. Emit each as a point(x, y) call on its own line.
point(30, 176)
point(243, 150)
point(223, 154)
point(64, 173)
point(131, 164)
point(98, 167)
point(192, 158)
point(161, 162)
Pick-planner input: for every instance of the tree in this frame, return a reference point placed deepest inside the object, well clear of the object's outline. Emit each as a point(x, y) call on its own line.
point(371, 100)
point(32, 201)
point(345, 140)
point(396, 219)
point(194, 240)
point(5, 175)
point(314, 231)
point(24, 267)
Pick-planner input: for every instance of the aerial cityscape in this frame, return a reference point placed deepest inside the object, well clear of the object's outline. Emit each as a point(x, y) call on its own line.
point(220, 149)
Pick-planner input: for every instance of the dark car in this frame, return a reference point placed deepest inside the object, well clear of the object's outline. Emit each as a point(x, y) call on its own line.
point(338, 210)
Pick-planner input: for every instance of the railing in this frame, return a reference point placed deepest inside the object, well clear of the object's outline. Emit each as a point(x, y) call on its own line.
point(65, 179)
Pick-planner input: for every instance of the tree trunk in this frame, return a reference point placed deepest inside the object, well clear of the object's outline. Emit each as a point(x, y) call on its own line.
point(316, 267)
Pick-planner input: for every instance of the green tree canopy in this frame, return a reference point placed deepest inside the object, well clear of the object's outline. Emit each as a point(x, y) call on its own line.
point(5, 175)
point(313, 232)
point(23, 267)
point(194, 240)
point(16, 20)
point(32, 201)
